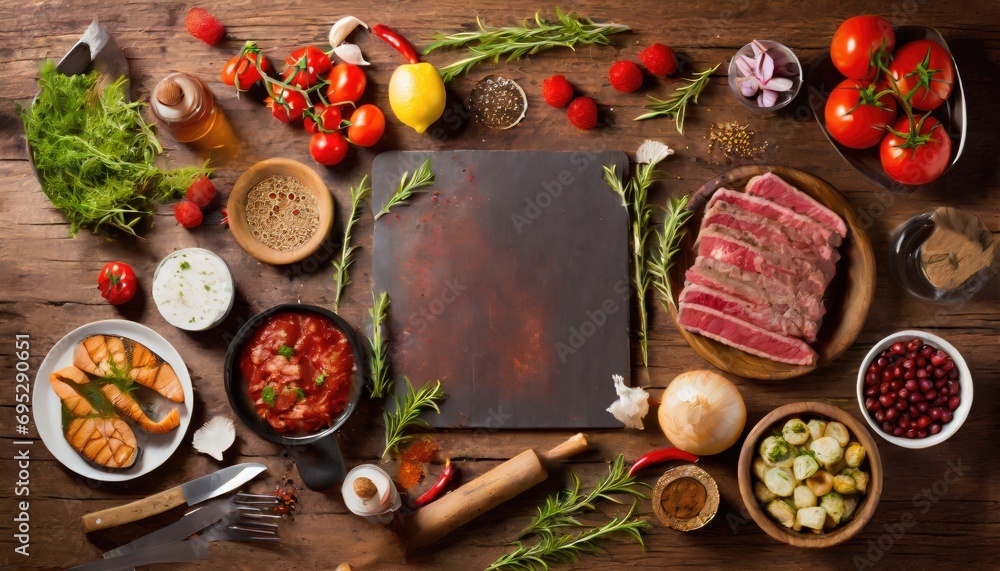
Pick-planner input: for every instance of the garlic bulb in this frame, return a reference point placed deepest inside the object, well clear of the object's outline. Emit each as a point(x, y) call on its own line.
point(215, 437)
point(632, 404)
point(702, 412)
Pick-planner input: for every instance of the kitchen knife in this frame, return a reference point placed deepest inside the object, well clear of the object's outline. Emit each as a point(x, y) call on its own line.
point(190, 493)
point(166, 553)
point(195, 521)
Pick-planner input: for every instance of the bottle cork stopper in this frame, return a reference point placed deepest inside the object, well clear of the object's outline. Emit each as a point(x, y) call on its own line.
point(365, 488)
point(169, 93)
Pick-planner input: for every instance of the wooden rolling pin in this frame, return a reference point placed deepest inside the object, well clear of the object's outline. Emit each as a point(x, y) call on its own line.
point(527, 469)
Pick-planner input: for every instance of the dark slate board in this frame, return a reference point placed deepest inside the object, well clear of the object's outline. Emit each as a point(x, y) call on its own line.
point(509, 281)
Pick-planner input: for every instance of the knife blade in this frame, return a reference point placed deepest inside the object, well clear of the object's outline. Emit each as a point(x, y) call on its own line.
point(192, 523)
point(166, 553)
point(190, 493)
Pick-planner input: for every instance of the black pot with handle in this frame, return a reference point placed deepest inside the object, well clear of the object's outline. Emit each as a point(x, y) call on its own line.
point(320, 463)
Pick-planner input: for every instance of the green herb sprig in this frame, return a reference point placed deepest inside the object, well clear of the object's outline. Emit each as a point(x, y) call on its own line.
point(561, 508)
point(567, 548)
point(359, 194)
point(407, 413)
point(667, 247)
point(94, 153)
point(378, 365)
point(490, 43)
point(408, 186)
point(676, 106)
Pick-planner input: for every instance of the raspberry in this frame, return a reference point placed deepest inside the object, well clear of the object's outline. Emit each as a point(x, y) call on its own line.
point(582, 113)
point(556, 91)
point(659, 60)
point(201, 191)
point(188, 214)
point(625, 76)
point(204, 26)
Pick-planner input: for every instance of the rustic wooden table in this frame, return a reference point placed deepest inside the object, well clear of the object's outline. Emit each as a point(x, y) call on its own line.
point(949, 492)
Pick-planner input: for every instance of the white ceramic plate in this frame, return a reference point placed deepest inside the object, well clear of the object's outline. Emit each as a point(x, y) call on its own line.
point(156, 448)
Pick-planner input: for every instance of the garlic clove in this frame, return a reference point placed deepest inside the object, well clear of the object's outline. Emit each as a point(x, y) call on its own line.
point(343, 28)
point(632, 404)
point(350, 53)
point(215, 437)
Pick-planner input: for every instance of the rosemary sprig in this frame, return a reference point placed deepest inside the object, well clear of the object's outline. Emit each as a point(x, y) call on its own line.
point(408, 185)
point(567, 548)
point(676, 106)
point(560, 509)
point(668, 245)
point(407, 412)
point(490, 43)
point(359, 194)
point(379, 363)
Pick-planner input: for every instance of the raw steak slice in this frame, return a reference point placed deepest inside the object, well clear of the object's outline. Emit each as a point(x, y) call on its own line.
point(718, 246)
point(744, 336)
point(779, 253)
point(759, 314)
point(816, 232)
point(773, 187)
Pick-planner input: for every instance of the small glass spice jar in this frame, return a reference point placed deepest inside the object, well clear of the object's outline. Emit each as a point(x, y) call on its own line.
point(184, 106)
point(370, 493)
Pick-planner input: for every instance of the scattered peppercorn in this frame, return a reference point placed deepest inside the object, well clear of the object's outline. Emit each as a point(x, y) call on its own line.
point(736, 142)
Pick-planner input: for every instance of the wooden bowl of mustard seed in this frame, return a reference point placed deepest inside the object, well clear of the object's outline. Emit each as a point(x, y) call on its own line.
point(280, 211)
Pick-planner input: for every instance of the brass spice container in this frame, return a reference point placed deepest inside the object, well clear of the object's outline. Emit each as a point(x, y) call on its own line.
point(686, 498)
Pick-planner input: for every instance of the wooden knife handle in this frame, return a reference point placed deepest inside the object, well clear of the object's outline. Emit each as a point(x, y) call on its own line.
point(575, 445)
point(140, 509)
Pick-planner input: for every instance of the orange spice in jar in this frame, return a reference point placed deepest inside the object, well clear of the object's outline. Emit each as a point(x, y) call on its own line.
point(184, 106)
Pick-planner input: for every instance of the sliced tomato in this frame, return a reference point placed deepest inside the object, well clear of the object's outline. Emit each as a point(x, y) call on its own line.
point(858, 42)
point(917, 157)
point(924, 73)
point(855, 116)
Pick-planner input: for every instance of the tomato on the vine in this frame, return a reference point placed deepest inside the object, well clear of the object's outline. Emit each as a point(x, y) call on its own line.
point(854, 116)
point(923, 73)
point(305, 65)
point(856, 44)
point(367, 125)
point(117, 282)
point(916, 157)
point(347, 83)
point(245, 72)
point(328, 148)
point(322, 115)
point(287, 105)
point(229, 71)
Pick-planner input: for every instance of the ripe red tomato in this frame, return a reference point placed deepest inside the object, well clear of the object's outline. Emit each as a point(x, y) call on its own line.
point(347, 83)
point(854, 117)
point(287, 105)
point(328, 148)
point(856, 41)
point(246, 73)
point(229, 71)
point(305, 65)
point(923, 72)
point(322, 115)
point(916, 158)
point(117, 282)
point(367, 125)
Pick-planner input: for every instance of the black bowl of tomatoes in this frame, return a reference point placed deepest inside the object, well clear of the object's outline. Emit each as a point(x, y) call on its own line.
point(891, 101)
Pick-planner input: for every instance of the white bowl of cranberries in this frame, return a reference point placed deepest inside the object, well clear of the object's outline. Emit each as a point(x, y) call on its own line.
point(914, 389)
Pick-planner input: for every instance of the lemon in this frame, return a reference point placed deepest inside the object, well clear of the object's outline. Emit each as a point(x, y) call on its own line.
point(416, 95)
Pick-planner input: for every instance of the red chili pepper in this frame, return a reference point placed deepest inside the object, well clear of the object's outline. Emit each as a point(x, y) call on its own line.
point(402, 45)
point(442, 482)
point(660, 456)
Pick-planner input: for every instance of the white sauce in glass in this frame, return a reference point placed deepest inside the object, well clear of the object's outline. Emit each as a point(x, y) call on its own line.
point(193, 289)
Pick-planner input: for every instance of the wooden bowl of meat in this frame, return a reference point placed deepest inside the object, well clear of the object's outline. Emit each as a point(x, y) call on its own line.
point(775, 274)
point(810, 475)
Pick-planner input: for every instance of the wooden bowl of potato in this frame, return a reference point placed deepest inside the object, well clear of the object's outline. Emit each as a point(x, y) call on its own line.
point(810, 475)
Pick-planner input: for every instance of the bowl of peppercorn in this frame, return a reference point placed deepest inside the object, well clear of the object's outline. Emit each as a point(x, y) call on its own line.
point(914, 389)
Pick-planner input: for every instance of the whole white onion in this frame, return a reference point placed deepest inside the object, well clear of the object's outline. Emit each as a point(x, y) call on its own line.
point(702, 412)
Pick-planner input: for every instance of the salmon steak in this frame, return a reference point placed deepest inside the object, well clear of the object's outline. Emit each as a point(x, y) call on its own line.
point(108, 356)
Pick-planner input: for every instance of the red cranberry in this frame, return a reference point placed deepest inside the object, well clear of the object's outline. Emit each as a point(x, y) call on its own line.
point(921, 433)
point(898, 431)
point(923, 407)
point(953, 374)
point(903, 393)
point(887, 400)
point(921, 362)
point(871, 379)
point(943, 391)
point(891, 414)
point(904, 421)
point(897, 348)
point(938, 358)
point(921, 374)
point(911, 385)
point(934, 428)
point(948, 365)
point(882, 362)
point(871, 391)
point(926, 352)
point(953, 403)
point(896, 385)
point(880, 415)
point(901, 405)
point(870, 403)
point(923, 421)
point(940, 383)
point(887, 374)
point(913, 411)
point(884, 388)
point(931, 394)
point(954, 388)
point(911, 433)
point(916, 397)
point(946, 417)
point(935, 413)
point(897, 372)
point(888, 426)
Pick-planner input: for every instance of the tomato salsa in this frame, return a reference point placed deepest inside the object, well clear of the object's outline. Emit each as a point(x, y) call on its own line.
point(299, 369)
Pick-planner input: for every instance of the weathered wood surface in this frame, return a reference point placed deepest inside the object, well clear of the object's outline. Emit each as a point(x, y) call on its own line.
point(47, 279)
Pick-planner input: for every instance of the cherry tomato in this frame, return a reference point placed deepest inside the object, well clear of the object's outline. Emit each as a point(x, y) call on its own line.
point(117, 282)
point(347, 83)
point(916, 158)
point(328, 148)
point(305, 65)
point(367, 125)
point(923, 73)
point(229, 71)
point(287, 105)
point(854, 117)
point(326, 116)
point(856, 41)
point(246, 71)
